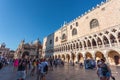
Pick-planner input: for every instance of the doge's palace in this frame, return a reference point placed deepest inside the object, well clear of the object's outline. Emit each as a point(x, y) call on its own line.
point(93, 35)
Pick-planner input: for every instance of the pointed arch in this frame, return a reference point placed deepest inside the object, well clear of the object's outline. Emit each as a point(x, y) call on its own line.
point(84, 44)
point(94, 42)
point(118, 36)
point(66, 48)
point(77, 45)
point(73, 45)
point(112, 39)
point(99, 41)
point(89, 43)
point(105, 40)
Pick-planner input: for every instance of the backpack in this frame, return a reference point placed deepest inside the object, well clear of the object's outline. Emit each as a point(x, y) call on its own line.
point(45, 69)
point(104, 70)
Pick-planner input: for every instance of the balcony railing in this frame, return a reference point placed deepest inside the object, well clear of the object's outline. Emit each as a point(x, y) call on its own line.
point(89, 48)
point(114, 44)
point(107, 45)
point(94, 47)
point(100, 46)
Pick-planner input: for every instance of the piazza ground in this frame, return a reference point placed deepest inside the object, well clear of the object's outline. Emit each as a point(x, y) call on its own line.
point(67, 72)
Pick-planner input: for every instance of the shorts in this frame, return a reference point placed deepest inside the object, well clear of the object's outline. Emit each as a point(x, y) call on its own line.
point(42, 74)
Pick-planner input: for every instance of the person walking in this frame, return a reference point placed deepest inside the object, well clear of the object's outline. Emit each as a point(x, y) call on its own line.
point(99, 70)
point(43, 67)
point(33, 67)
point(106, 71)
point(22, 67)
point(51, 63)
point(15, 64)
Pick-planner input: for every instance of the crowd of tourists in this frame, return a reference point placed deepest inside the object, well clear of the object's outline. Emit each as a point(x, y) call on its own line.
point(30, 67)
point(4, 61)
point(34, 67)
point(39, 67)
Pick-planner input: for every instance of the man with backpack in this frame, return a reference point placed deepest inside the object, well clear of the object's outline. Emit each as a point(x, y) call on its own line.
point(106, 71)
point(43, 68)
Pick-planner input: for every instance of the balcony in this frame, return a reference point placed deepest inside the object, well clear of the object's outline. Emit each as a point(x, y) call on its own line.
point(107, 45)
point(114, 44)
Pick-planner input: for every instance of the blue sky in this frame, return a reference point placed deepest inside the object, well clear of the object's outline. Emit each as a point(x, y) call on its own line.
point(32, 19)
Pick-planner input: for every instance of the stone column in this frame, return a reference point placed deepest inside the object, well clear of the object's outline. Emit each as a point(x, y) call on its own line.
point(106, 56)
point(93, 55)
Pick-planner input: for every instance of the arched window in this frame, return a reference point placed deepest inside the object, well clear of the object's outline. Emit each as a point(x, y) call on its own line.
point(66, 47)
point(74, 32)
point(94, 23)
point(99, 42)
point(119, 36)
point(63, 36)
point(80, 45)
point(85, 44)
point(77, 46)
point(112, 39)
point(56, 39)
point(50, 41)
point(76, 23)
point(60, 48)
point(73, 46)
point(105, 40)
point(89, 44)
point(63, 48)
point(94, 42)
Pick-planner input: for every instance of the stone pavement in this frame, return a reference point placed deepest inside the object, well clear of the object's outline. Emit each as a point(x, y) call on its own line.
point(60, 73)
